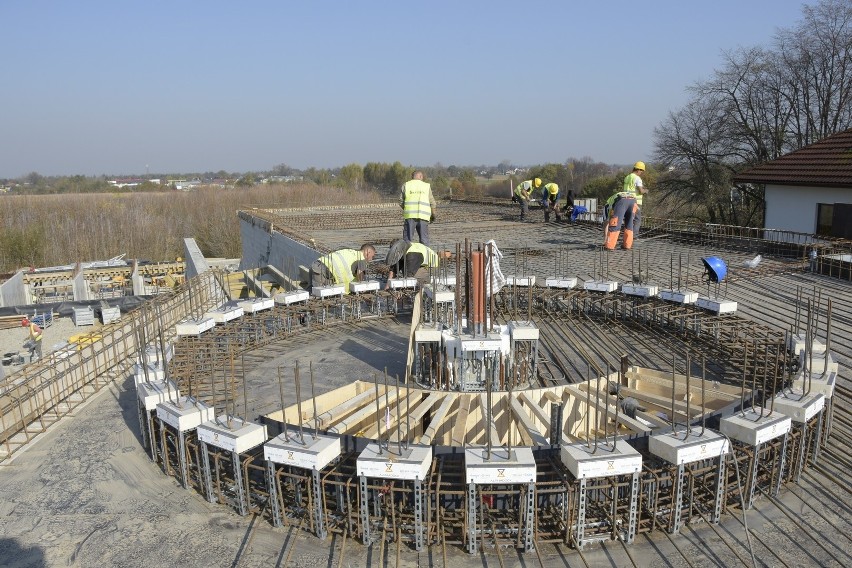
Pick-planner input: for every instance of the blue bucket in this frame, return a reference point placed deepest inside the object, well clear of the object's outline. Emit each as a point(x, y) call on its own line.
point(715, 268)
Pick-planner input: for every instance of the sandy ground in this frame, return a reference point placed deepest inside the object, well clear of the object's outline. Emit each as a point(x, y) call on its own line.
point(55, 336)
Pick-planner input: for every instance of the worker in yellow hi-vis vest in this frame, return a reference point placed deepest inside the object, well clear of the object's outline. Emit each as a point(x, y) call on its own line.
point(524, 194)
point(634, 186)
point(412, 260)
point(341, 266)
point(418, 208)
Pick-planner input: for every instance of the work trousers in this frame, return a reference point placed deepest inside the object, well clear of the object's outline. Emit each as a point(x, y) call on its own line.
point(550, 207)
point(420, 226)
point(623, 212)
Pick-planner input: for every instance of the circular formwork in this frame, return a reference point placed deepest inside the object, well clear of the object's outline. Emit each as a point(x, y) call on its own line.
point(558, 505)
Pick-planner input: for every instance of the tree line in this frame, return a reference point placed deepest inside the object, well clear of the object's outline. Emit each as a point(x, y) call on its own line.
point(762, 103)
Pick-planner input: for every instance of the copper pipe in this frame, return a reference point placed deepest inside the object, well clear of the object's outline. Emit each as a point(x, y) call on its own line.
point(477, 261)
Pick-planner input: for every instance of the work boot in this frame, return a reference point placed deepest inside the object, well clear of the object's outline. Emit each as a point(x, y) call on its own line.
point(547, 217)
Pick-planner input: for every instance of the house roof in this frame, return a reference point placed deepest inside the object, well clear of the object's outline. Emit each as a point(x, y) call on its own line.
point(827, 163)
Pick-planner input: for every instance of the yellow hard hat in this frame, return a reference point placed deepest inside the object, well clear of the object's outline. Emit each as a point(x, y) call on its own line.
point(537, 182)
point(639, 166)
point(552, 188)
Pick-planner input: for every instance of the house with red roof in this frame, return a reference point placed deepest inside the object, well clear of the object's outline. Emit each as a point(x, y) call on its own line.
point(809, 190)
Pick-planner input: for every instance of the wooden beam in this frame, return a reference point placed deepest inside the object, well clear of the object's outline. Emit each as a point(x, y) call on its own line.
point(351, 423)
point(536, 409)
point(491, 429)
point(525, 424)
point(437, 420)
point(328, 418)
point(460, 429)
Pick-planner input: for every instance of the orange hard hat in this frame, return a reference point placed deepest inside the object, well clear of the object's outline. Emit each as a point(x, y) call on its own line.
point(25, 322)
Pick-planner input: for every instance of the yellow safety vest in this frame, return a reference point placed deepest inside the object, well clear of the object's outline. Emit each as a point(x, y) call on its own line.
point(630, 187)
point(416, 200)
point(524, 189)
point(430, 257)
point(339, 263)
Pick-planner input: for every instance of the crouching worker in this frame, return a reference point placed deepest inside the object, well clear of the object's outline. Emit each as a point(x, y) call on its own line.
point(622, 212)
point(407, 260)
point(550, 201)
point(33, 343)
point(341, 267)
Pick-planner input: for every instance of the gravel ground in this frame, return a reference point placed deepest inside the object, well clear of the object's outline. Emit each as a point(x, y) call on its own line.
point(55, 336)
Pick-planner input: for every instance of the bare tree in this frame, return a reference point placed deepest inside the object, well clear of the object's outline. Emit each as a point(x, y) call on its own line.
point(761, 104)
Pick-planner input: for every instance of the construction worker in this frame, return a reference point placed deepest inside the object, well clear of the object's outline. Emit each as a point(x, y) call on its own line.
point(523, 194)
point(622, 210)
point(342, 266)
point(634, 186)
point(418, 208)
point(549, 201)
point(411, 260)
point(33, 343)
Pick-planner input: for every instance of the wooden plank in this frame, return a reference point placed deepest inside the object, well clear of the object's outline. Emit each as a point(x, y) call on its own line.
point(397, 413)
point(536, 409)
point(351, 424)
point(287, 283)
point(437, 420)
point(526, 424)
point(623, 419)
point(492, 429)
point(337, 411)
point(460, 429)
point(425, 405)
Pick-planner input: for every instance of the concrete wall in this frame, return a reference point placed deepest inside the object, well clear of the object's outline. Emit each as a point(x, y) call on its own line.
point(795, 208)
point(80, 287)
point(13, 292)
point(195, 262)
point(262, 246)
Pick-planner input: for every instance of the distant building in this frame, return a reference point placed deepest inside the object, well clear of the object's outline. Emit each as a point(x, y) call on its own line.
point(809, 190)
point(183, 184)
point(126, 182)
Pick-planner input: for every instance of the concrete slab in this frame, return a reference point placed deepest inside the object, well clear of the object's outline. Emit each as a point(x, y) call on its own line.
point(605, 286)
point(254, 305)
point(315, 453)
point(184, 414)
point(293, 297)
point(752, 429)
point(365, 286)
point(523, 331)
point(194, 326)
point(153, 393)
point(798, 406)
point(225, 313)
point(641, 290)
point(500, 467)
point(679, 448)
point(409, 464)
point(239, 436)
point(583, 461)
point(679, 296)
point(564, 283)
point(523, 281)
point(718, 306)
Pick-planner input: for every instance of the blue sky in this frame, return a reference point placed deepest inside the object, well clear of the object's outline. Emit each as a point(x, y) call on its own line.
point(106, 87)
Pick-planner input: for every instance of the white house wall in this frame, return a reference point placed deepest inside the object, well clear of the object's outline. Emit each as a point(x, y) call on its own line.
point(792, 208)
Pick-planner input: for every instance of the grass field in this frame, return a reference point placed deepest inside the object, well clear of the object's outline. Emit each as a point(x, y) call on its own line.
point(49, 230)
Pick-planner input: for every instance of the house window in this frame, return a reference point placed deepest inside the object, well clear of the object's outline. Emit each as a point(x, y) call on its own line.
point(825, 213)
